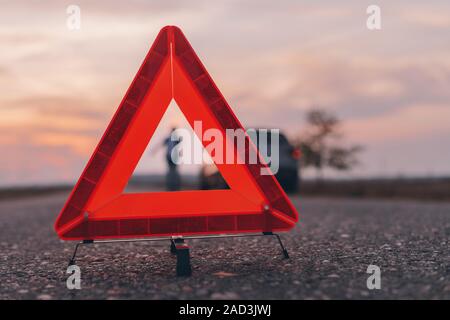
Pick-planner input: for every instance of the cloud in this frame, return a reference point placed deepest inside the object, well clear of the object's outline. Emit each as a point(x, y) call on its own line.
point(436, 17)
point(405, 124)
point(39, 164)
point(352, 87)
point(271, 60)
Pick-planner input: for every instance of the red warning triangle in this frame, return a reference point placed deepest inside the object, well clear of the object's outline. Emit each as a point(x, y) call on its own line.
point(98, 208)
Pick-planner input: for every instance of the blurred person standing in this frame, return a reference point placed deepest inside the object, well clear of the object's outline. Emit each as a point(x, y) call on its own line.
point(173, 179)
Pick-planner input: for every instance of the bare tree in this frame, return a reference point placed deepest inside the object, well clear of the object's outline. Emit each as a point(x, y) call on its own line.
point(320, 144)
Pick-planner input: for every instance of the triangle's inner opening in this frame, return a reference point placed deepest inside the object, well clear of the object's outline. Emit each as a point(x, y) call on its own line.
point(157, 170)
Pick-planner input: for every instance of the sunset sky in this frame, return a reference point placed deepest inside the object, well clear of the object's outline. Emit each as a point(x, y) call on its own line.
point(272, 60)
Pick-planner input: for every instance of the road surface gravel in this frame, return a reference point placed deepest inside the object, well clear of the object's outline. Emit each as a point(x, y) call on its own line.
point(330, 250)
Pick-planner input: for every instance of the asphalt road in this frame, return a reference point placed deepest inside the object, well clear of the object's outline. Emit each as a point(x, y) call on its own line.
point(330, 251)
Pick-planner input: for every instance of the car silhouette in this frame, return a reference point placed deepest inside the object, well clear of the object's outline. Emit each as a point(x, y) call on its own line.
point(288, 174)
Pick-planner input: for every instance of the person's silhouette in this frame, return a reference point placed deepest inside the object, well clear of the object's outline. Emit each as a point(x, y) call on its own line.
point(173, 177)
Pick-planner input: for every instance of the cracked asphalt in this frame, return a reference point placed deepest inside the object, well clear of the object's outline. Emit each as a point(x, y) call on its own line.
point(330, 250)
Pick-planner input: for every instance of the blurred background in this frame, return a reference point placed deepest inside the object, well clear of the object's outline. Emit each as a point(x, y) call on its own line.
point(364, 116)
point(366, 112)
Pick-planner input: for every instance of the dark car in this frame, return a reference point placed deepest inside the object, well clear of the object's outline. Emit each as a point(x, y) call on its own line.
point(288, 174)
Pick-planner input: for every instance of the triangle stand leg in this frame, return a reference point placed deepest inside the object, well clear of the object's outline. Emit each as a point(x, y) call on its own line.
point(283, 248)
point(72, 260)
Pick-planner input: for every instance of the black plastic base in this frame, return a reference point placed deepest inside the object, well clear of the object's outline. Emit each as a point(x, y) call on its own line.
point(183, 261)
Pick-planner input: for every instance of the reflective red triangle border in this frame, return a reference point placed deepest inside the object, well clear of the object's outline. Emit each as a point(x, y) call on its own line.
point(98, 208)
